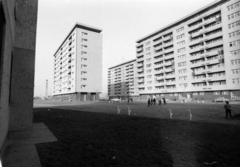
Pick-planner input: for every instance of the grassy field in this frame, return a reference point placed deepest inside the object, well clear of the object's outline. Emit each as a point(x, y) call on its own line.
point(93, 134)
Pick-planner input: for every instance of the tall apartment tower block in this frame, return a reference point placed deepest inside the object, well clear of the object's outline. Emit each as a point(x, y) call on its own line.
point(78, 65)
point(122, 80)
point(196, 57)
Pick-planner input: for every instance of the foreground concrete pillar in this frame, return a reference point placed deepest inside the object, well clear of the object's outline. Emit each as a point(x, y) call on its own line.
point(22, 73)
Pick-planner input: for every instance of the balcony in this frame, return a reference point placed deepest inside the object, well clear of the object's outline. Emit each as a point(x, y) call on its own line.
point(212, 36)
point(158, 72)
point(167, 63)
point(211, 12)
point(196, 49)
point(196, 41)
point(200, 56)
point(213, 53)
point(157, 48)
point(139, 64)
point(209, 29)
point(209, 21)
point(139, 49)
point(158, 65)
point(158, 60)
point(141, 86)
point(214, 61)
point(140, 80)
point(168, 38)
point(214, 44)
point(168, 83)
point(198, 18)
point(199, 64)
point(168, 44)
point(218, 69)
point(197, 80)
point(157, 38)
point(168, 70)
point(166, 51)
point(199, 72)
point(168, 57)
point(217, 78)
point(140, 70)
point(138, 45)
point(195, 27)
point(169, 76)
point(197, 33)
point(159, 78)
point(140, 59)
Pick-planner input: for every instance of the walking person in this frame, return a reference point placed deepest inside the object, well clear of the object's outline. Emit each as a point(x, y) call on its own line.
point(164, 100)
point(160, 102)
point(149, 102)
point(154, 102)
point(228, 110)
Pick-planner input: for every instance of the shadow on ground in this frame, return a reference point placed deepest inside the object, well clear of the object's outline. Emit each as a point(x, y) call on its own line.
point(96, 139)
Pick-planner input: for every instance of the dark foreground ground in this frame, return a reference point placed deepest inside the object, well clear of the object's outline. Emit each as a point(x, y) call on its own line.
point(95, 135)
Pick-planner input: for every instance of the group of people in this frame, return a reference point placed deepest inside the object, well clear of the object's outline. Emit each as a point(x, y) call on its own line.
point(152, 101)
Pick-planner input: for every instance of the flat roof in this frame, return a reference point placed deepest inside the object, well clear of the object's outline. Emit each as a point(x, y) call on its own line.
point(82, 26)
point(179, 20)
point(122, 64)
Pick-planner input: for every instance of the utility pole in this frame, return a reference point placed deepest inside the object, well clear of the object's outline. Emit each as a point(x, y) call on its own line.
point(46, 93)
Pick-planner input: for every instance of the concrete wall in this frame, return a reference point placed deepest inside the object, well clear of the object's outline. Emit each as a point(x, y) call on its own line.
point(17, 70)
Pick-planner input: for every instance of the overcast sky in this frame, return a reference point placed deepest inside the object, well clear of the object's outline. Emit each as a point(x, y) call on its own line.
point(122, 21)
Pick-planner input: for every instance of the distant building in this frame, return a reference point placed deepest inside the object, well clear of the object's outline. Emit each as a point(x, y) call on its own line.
point(78, 65)
point(196, 57)
point(122, 81)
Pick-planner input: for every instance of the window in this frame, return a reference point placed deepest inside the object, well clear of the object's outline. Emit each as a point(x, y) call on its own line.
point(235, 24)
point(83, 53)
point(236, 80)
point(149, 76)
point(83, 65)
point(233, 6)
point(149, 71)
point(235, 61)
point(233, 34)
point(235, 52)
point(148, 65)
point(83, 72)
point(84, 40)
point(234, 43)
point(148, 48)
point(182, 56)
point(149, 88)
point(181, 64)
point(183, 85)
point(148, 43)
point(201, 93)
point(180, 36)
point(84, 46)
point(84, 33)
point(149, 59)
point(181, 50)
point(232, 16)
point(180, 29)
point(83, 86)
point(83, 79)
point(183, 78)
point(182, 71)
point(181, 43)
point(225, 92)
point(83, 59)
point(236, 71)
point(148, 54)
point(149, 82)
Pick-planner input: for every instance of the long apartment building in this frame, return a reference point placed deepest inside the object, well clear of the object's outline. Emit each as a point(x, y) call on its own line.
point(122, 80)
point(78, 65)
point(196, 57)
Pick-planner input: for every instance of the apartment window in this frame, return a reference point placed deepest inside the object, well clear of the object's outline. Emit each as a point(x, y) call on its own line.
point(182, 56)
point(149, 59)
point(181, 64)
point(183, 85)
point(232, 16)
point(84, 40)
point(182, 71)
point(233, 6)
point(235, 52)
point(181, 43)
point(148, 48)
point(235, 61)
point(84, 46)
point(149, 71)
point(235, 24)
point(148, 65)
point(83, 65)
point(180, 29)
point(201, 93)
point(149, 88)
point(83, 53)
point(148, 54)
point(195, 93)
point(236, 71)
point(149, 76)
point(83, 72)
point(84, 33)
point(149, 82)
point(181, 50)
point(148, 43)
point(181, 36)
point(83, 59)
point(234, 43)
point(236, 80)
point(83, 86)
point(183, 78)
point(235, 33)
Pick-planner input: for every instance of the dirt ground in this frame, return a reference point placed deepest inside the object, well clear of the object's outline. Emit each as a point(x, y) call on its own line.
point(95, 135)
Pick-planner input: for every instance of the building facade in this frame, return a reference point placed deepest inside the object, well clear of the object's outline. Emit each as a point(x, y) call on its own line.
point(196, 57)
point(122, 81)
point(78, 65)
